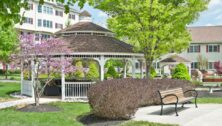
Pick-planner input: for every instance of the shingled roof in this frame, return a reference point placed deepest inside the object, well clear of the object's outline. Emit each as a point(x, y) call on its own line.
point(92, 43)
point(206, 34)
point(89, 37)
point(174, 58)
point(83, 26)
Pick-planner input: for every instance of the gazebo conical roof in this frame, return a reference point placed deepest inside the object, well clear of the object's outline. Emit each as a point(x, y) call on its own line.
point(89, 37)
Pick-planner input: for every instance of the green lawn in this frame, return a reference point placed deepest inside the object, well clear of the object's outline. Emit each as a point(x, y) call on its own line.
point(66, 117)
point(209, 100)
point(144, 123)
point(6, 89)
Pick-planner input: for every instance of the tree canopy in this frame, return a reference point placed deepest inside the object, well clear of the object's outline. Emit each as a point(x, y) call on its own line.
point(154, 27)
point(8, 42)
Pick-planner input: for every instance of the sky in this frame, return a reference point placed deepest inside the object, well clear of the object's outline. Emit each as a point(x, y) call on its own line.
point(210, 17)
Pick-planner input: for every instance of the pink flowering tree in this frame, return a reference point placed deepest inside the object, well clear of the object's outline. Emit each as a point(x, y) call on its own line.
point(45, 57)
point(218, 67)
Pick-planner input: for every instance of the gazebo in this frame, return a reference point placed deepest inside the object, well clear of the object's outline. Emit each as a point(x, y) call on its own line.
point(90, 41)
point(171, 61)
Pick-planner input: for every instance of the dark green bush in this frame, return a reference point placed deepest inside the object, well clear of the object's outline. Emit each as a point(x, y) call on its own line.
point(119, 99)
point(181, 72)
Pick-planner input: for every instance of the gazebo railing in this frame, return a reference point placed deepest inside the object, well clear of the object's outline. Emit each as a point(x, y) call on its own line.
point(77, 91)
point(27, 88)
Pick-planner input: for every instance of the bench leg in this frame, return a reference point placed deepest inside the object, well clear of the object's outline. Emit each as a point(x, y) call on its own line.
point(176, 109)
point(182, 105)
point(161, 111)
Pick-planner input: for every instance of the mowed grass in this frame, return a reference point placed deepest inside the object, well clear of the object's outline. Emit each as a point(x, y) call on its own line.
point(209, 100)
point(143, 123)
point(66, 117)
point(6, 89)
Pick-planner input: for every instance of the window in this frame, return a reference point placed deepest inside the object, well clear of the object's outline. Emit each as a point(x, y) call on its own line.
point(40, 22)
point(28, 20)
point(57, 25)
point(194, 48)
point(211, 65)
point(47, 10)
point(72, 16)
point(47, 23)
point(30, 6)
point(36, 37)
point(45, 36)
point(59, 13)
point(194, 65)
point(40, 8)
point(213, 48)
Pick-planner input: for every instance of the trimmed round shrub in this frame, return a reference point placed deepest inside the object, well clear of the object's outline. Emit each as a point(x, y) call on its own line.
point(181, 72)
point(119, 99)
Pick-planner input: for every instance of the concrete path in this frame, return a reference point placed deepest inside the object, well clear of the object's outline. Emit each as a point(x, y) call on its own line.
point(25, 101)
point(204, 115)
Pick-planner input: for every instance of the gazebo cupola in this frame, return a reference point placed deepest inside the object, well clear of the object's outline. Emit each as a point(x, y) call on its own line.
point(85, 16)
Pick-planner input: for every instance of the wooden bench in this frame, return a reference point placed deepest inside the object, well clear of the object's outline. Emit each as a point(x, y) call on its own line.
point(176, 96)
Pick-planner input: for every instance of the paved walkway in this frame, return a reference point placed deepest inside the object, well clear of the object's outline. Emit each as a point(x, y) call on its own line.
point(26, 101)
point(204, 115)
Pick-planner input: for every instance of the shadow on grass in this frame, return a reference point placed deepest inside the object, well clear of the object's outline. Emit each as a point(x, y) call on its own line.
point(89, 119)
point(11, 92)
point(169, 110)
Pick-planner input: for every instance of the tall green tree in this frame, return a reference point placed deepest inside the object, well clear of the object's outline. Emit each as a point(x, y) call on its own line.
point(8, 43)
point(154, 27)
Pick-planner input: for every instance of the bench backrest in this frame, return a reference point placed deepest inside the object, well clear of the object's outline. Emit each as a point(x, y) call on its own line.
point(177, 91)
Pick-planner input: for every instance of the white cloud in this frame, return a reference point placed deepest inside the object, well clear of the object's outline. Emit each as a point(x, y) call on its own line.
point(209, 24)
point(102, 14)
point(215, 3)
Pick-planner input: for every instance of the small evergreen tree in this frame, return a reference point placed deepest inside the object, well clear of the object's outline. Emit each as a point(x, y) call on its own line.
point(181, 72)
point(79, 74)
point(112, 72)
point(93, 73)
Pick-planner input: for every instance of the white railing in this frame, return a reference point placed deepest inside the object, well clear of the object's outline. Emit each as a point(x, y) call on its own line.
point(27, 88)
point(77, 91)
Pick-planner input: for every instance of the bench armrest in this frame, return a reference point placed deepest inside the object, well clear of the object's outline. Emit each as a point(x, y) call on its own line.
point(169, 95)
point(196, 93)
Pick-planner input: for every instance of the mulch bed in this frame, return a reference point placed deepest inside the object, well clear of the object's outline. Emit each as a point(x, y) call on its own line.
point(40, 108)
point(92, 120)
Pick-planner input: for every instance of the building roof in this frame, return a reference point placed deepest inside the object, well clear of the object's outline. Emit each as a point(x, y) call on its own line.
point(85, 13)
point(92, 43)
point(206, 34)
point(83, 26)
point(174, 58)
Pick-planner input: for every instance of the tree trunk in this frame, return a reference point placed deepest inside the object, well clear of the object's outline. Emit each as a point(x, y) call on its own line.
point(148, 68)
point(6, 71)
point(36, 96)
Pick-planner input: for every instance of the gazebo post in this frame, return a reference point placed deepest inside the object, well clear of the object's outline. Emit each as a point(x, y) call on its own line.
point(133, 67)
point(102, 64)
point(124, 68)
point(141, 68)
point(22, 77)
point(33, 68)
point(63, 80)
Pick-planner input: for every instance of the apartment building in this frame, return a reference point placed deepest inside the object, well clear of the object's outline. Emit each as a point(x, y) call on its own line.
point(207, 43)
point(44, 20)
